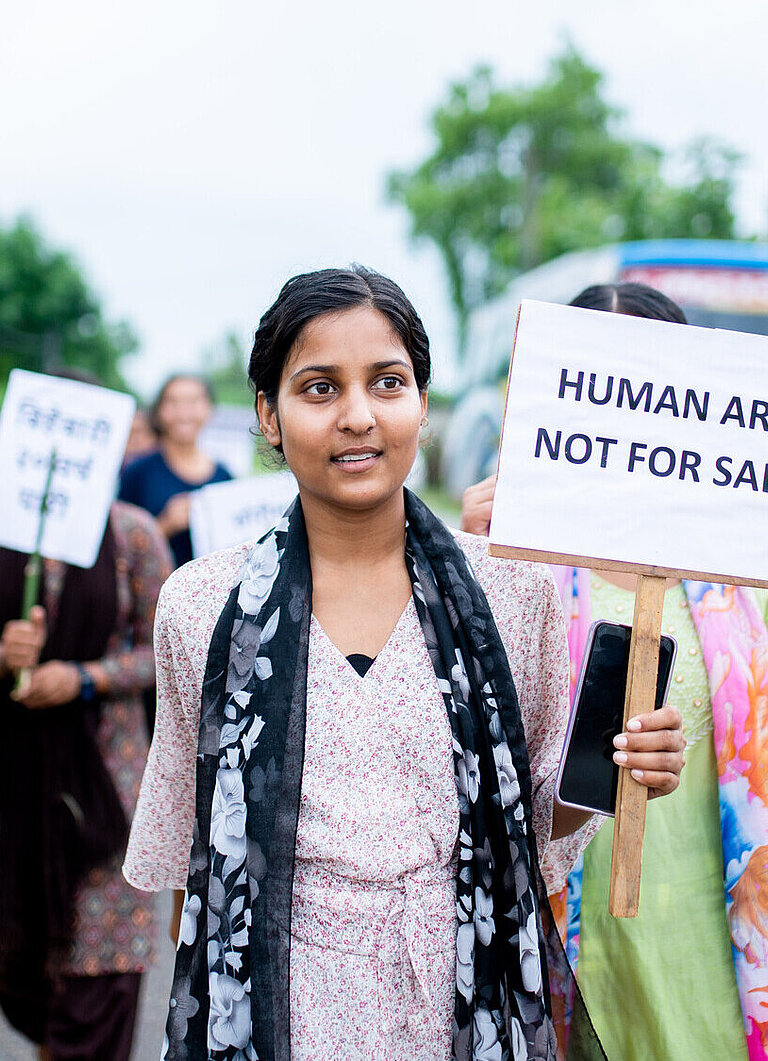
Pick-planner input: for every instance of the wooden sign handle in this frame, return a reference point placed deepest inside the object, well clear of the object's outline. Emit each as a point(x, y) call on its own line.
point(631, 796)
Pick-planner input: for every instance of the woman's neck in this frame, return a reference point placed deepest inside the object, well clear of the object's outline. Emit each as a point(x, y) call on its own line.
point(186, 459)
point(341, 540)
point(360, 584)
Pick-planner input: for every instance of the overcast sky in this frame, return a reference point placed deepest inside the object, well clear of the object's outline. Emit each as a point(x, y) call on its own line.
point(194, 155)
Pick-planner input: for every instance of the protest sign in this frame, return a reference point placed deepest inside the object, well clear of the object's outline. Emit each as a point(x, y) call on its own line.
point(87, 427)
point(637, 445)
point(225, 514)
point(228, 437)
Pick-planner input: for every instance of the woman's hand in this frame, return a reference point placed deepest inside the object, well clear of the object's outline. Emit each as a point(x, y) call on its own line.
point(476, 505)
point(22, 641)
point(51, 684)
point(175, 516)
point(652, 748)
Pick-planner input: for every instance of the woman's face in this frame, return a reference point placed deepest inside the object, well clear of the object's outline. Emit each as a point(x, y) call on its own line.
point(184, 410)
point(348, 410)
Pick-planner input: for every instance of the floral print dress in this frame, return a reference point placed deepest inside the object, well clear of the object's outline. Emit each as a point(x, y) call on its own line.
point(373, 950)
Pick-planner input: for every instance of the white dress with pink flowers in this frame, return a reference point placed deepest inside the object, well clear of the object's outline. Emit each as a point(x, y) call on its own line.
point(373, 950)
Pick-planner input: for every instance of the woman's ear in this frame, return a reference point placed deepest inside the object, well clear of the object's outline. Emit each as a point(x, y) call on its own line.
point(268, 420)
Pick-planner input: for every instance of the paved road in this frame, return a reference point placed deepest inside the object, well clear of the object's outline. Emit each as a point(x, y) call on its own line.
point(152, 1008)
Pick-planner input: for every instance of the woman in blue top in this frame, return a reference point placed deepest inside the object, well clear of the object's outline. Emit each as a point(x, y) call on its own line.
point(161, 482)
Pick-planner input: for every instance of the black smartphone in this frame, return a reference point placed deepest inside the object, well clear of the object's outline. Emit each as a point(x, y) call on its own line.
point(588, 777)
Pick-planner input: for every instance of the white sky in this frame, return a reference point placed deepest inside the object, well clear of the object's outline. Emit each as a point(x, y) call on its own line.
point(194, 155)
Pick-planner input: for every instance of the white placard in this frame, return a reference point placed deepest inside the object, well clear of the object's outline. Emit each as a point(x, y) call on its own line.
point(225, 514)
point(228, 438)
point(635, 442)
point(88, 427)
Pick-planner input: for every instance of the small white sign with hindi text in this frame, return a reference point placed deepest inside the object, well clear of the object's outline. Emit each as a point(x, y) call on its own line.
point(226, 514)
point(87, 427)
point(636, 444)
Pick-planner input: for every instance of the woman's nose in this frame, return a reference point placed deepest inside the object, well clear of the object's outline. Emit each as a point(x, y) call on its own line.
point(356, 412)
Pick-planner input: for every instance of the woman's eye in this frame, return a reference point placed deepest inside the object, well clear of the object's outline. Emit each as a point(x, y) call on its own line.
point(389, 383)
point(321, 389)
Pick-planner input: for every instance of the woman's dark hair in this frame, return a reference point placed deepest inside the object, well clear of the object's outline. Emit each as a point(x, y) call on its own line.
point(310, 295)
point(153, 412)
point(635, 300)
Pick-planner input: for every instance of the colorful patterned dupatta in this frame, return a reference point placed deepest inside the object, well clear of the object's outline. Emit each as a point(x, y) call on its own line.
point(734, 642)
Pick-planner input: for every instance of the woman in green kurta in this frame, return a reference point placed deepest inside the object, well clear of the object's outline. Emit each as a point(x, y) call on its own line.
point(634, 972)
point(664, 986)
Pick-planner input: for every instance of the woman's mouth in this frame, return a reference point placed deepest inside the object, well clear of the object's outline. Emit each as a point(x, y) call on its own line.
point(356, 460)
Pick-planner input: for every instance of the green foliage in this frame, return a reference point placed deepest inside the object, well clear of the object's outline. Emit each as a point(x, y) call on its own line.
point(48, 317)
point(520, 175)
point(229, 375)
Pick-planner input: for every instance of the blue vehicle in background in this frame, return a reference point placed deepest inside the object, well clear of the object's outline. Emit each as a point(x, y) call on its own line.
point(719, 284)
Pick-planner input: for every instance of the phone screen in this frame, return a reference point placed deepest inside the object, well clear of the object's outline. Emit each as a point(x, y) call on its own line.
point(589, 777)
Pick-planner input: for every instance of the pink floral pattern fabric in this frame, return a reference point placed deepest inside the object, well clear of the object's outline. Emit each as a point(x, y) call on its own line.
point(374, 926)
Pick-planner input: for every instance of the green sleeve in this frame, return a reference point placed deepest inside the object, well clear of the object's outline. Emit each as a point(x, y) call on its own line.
point(762, 600)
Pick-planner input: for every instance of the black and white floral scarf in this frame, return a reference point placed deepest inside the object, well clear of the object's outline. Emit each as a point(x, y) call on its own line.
point(231, 996)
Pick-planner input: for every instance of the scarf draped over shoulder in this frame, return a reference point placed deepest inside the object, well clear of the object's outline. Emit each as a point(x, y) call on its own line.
point(231, 988)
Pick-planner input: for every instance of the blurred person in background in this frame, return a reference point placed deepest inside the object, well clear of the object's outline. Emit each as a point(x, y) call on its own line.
point(141, 438)
point(162, 481)
point(75, 938)
point(667, 984)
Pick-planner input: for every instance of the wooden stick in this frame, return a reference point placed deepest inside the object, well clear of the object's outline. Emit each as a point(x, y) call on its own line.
point(32, 573)
point(640, 699)
point(601, 563)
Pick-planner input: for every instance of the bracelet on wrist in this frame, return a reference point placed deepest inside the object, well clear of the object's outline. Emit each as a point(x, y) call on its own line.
point(87, 684)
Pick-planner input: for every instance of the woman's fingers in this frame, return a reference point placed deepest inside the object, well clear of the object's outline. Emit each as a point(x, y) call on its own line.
point(51, 684)
point(23, 640)
point(667, 740)
point(476, 505)
point(666, 717)
point(664, 761)
point(652, 748)
point(658, 783)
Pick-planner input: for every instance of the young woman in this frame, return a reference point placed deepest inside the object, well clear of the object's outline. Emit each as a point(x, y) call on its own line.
point(377, 732)
point(683, 962)
point(74, 937)
point(162, 481)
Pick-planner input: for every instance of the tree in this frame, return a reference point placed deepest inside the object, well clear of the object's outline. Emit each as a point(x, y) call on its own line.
point(228, 371)
point(520, 175)
point(48, 317)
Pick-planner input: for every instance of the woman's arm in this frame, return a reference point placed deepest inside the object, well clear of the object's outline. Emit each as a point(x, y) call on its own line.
point(143, 559)
point(529, 616)
point(653, 745)
point(161, 833)
point(146, 561)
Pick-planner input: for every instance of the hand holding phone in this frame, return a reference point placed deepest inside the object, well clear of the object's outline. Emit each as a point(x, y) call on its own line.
point(588, 776)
